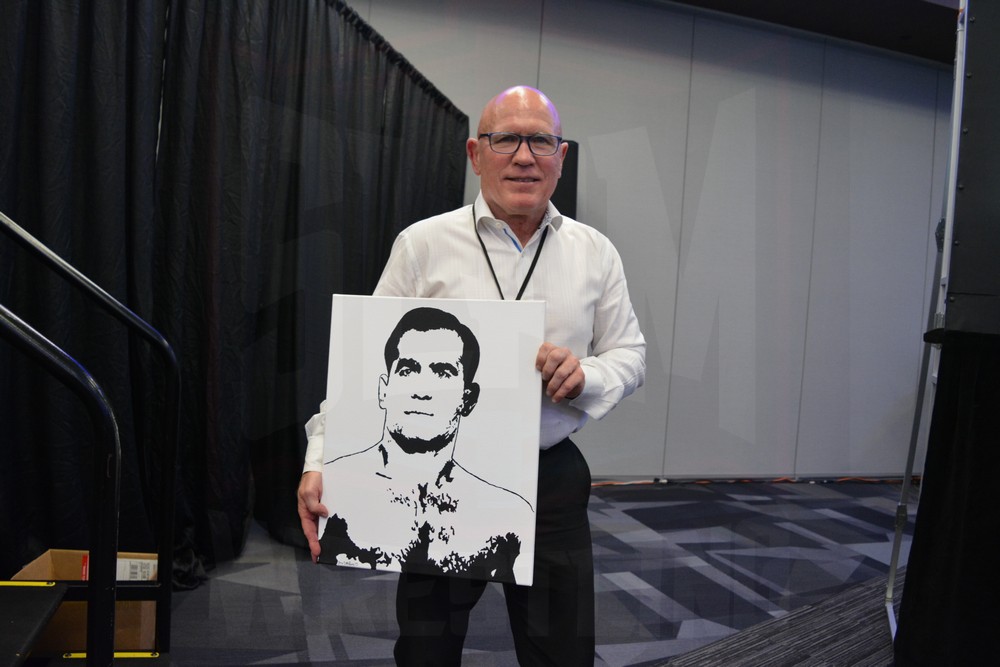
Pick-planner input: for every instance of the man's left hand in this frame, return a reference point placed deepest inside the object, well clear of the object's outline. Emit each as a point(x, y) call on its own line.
point(562, 374)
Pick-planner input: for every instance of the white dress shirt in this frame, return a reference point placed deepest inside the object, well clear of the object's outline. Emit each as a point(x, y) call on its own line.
point(579, 275)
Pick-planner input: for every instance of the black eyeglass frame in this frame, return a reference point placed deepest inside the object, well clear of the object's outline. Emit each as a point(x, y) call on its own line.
point(522, 138)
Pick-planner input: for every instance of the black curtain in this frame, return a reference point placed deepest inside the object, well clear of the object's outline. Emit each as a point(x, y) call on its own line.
point(949, 613)
point(79, 102)
point(294, 144)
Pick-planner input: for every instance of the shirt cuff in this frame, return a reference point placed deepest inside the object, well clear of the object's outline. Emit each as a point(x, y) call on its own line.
point(314, 455)
point(315, 439)
point(590, 399)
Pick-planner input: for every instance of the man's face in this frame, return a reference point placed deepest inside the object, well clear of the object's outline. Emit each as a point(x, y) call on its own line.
point(424, 393)
point(517, 185)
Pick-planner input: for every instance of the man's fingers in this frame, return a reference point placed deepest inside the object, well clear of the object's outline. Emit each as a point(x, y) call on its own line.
point(310, 527)
point(310, 509)
point(561, 371)
point(568, 385)
point(314, 507)
point(542, 356)
point(550, 358)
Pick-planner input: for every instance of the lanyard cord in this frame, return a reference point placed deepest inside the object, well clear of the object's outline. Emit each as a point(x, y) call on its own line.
point(531, 269)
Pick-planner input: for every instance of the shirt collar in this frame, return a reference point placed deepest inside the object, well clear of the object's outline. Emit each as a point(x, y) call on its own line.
point(553, 218)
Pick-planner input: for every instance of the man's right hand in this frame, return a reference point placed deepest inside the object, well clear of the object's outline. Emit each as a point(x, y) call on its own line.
point(310, 509)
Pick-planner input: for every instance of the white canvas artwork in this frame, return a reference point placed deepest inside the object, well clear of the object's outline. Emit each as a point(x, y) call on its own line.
point(432, 422)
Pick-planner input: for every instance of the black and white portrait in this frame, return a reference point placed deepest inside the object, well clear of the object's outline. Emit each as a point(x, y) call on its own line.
point(414, 474)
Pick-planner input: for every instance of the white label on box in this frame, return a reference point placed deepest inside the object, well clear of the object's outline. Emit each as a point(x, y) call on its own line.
point(136, 569)
point(128, 569)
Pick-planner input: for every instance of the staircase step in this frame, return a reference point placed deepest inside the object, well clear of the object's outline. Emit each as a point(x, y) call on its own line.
point(129, 659)
point(25, 609)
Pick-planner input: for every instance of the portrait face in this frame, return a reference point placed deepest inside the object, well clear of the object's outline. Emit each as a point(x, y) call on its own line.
point(424, 395)
point(517, 185)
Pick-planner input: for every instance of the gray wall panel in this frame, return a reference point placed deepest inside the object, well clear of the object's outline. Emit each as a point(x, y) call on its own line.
point(868, 300)
point(628, 109)
point(746, 238)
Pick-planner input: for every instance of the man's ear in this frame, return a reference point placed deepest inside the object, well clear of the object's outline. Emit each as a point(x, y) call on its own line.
point(383, 387)
point(563, 149)
point(472, 150)
point(470, 398)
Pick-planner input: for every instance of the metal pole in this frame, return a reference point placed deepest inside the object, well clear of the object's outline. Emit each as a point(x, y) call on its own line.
point(941, 289)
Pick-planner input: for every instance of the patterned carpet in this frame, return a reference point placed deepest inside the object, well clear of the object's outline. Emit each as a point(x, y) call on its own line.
point(678, 567)
point(850, 628)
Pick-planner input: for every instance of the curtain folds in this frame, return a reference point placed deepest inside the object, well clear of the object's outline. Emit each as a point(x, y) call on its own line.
point(293, 145)
point(948, 614)
point(79, 102)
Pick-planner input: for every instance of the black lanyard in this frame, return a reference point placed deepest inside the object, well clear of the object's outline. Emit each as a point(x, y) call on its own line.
point(531, 269)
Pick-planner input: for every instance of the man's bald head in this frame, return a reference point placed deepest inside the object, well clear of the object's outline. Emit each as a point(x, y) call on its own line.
point(522, 100)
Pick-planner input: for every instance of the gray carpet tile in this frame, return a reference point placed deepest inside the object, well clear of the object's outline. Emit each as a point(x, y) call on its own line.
point(678, 567)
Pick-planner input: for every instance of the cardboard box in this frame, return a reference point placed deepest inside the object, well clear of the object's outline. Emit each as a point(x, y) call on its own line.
point(135, 620)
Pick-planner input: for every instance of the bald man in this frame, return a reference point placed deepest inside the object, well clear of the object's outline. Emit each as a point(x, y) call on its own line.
point(512, 243)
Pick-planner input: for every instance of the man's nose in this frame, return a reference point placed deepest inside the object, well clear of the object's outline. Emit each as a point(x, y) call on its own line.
point(421, 397)
point(523, 154)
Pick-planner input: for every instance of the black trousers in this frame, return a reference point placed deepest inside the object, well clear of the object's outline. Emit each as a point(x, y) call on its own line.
point(552, 620)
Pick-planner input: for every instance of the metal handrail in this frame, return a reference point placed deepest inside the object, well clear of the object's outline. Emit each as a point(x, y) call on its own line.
point(107, 475)
point(164, 581)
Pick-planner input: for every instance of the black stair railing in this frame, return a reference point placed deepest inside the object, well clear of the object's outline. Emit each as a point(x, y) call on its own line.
point(162, 588)
point(107, 475)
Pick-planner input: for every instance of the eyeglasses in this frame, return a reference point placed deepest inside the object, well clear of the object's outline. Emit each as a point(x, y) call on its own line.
point(506, 143)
